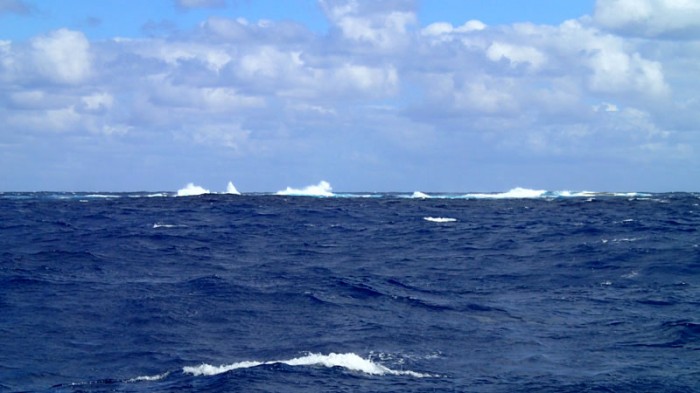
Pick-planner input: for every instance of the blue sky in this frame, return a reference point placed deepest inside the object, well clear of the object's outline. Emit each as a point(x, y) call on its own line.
point(396, 95)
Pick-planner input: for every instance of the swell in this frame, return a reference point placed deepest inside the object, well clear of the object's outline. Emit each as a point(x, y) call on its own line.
point(555, 294)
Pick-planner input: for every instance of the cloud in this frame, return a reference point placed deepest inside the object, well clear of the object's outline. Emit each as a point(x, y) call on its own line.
point(650, 18)
point(515, 55)
point(443, 28)
point(63, 56)
point(231, 136)
point(190, 4)
point(377, 91)
point(383, 26)
point(18, 7)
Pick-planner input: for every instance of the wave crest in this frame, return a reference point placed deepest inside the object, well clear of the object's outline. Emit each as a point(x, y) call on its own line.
point(419, 195)
point(440, 219)
point(231, 189)
point(322, 189)
point(191, 190)
point(349, 361)
point(514, 193)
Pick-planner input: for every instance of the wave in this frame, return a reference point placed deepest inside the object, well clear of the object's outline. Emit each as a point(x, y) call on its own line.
point(322, 189)
point(149, 378)
point(153, 195)
point(160, 225)
point(231, 189)
point(440, 219)
point(191, 190)
point(349, 361)
point(419, 195)
point(527, 193)
point(515, 193)
point(101, 196)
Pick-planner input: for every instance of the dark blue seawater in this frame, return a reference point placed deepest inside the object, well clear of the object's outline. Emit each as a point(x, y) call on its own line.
point(264, 293)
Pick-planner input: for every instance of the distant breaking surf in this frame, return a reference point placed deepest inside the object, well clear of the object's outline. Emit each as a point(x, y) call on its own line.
point(322, 189)
point(192, 189)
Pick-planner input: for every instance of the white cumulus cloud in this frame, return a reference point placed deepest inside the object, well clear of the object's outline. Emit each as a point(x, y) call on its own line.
point(63, 56)
point(650, 18)
point(377, 91)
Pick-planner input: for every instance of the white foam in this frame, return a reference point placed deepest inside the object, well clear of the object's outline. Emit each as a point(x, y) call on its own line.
point(630, 194)
point(515, 193)
point(101, 196)
point(322, 189)
point(419, 195)
point(155, 195)
point(349, 361)
point(149, 377)
point(208, 369)
point(159, 225)
point(231, 189)
point(440, 219)
point(191, 189)
point(574, 194)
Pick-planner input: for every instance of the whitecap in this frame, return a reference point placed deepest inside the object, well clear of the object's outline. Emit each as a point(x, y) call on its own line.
point(574, 194)
point(322, 189)
point(144, 195)
point(149, 378)
point(440, 219)
point(630, 194)
point(349, 361)
point(419, 195)
point(159, 225)
point(208, 369)
point(191, 189)
point(515, 193)
point(231, 189)
point(101, 196)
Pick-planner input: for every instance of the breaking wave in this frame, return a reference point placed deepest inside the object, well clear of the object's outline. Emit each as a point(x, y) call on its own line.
point(322, 189)
point(149, 378)
point(515, 193)
point(191, 190)
point(349, 361)
point(440, 219)
point(527, 193)
point(231, 189)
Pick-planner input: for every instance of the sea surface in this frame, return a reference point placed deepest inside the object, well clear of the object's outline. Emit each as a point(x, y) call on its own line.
point(524, 291)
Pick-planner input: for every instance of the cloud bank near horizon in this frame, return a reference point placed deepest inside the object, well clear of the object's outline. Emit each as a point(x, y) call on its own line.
point(377, 96)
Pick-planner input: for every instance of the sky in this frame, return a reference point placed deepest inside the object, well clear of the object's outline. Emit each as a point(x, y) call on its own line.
point(368, 95)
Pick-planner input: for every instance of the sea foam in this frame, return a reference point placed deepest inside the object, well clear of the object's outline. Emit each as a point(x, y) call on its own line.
point(322, 189)
point(419, 195)
point(149, 378)
point(515, 193)
point(440, 219)
point(349, 361)
point(191, 189)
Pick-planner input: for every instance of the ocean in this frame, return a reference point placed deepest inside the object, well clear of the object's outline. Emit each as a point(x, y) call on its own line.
point(524, 291)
